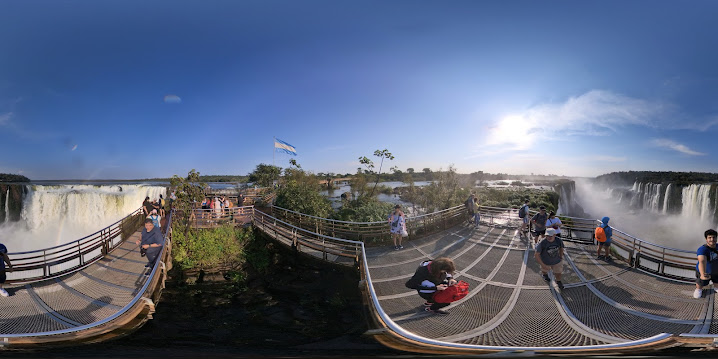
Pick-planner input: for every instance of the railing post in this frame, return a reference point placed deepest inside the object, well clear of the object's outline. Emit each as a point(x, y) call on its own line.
point(45, 267)
point(79, 252)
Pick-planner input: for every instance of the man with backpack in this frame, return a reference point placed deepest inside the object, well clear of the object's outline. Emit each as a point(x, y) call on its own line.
point(539, 223)
point(707, 266)
point(524, 215)
point(603, 235)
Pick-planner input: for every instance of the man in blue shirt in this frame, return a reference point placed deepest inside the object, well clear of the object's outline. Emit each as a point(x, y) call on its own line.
point(3, 260)
point(606, 246)
point(151, 243)
point(707, 266)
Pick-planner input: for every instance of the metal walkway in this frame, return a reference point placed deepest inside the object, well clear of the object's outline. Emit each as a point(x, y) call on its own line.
point(511, 305)
point(605, 307)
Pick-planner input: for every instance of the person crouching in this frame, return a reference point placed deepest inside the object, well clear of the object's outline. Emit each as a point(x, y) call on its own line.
point(430, 277)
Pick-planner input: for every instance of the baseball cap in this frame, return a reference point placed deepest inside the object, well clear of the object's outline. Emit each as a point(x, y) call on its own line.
point(550, 232)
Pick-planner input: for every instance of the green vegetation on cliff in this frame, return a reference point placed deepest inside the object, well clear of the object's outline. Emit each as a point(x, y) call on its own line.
point(7, 177)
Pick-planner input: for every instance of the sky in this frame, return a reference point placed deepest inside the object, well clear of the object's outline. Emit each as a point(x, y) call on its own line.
point(148, 89)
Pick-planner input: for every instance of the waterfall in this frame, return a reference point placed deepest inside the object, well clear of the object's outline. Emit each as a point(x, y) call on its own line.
point(53, 215)
point(7, 206)
point(667, 197)
point(697, 202)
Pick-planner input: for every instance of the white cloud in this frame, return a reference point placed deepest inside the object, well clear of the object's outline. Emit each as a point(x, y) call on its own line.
point(670, 144)
point(5, 118)
point(595, 113)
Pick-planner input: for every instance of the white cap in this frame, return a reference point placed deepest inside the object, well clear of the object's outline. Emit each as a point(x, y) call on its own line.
point(550, 232)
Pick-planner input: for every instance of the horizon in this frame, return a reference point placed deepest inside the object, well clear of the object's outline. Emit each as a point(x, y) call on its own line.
point(128, 90)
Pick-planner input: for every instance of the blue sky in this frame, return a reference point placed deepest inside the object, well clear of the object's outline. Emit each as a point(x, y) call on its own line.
point(138, 89)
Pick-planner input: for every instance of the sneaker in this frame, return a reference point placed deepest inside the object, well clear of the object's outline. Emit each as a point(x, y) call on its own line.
point(147, 265)
point(438, 311)
point(396, 248)
point(149, 271)
point(697, 293)
point(599, 258)
point(559, 284)
point(401, 247)
point(546, 278)
point(428, 304)
point(3, 292)
point(607, 258)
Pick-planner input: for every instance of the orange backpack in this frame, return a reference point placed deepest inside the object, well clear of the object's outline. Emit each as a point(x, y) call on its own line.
point(600, 234)
point(452, 293)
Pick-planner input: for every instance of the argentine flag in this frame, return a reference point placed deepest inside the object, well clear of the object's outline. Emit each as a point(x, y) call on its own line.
point(285, 147)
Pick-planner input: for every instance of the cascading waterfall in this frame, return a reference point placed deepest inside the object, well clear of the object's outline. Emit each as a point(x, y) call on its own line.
point(697, 203)
point(667, 198)
point(7, 206)
point(53, 215)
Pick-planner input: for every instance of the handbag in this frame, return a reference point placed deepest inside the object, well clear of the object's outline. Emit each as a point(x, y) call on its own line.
point(404, 233)
point(452, 293)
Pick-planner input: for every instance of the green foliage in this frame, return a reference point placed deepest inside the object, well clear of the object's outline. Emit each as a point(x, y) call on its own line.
point(514, 198)
point(189, 192)
point(205, 248)
point(300, 192)
point(364, 209)
point(679, 178)
point(443, 193)
point(7, 177)
point(264, 175)
point(369, 164)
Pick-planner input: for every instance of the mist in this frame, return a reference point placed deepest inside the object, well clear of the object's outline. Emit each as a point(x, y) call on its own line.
point(669, 230)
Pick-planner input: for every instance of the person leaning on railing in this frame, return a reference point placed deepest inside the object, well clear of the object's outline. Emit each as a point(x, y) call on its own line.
point(707, 266)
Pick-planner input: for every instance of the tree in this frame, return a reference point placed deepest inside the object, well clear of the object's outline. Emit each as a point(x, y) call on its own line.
point(369, 164)
point(189, 191)
point(300, 192)
point(264, 175)
point(410, 170)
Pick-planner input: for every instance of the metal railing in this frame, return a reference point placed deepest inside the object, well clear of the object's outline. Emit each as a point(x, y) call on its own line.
point(298, 237)
point(141, 294)
point(55, 261)
point(207, 218)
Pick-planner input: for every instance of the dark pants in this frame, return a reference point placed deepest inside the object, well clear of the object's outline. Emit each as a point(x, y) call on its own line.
point(430, 298)
point(152, 254)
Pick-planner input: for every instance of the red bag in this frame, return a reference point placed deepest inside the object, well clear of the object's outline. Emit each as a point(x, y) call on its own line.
point(452, 293)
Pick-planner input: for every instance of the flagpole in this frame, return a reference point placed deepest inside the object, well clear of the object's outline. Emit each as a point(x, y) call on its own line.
point(274, 150)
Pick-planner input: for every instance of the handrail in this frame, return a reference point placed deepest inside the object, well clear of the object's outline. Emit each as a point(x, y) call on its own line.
point(52, 260)
point(140, 294)
point(386, 319)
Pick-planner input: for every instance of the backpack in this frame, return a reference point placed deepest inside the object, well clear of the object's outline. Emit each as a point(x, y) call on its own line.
point(600, 234)
point(522, 212)
point(452, 293)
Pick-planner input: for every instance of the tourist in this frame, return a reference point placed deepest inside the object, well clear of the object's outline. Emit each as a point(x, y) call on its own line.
point(524, 215)
point(607, 244)
point(155, 218)
point(549, 255)
point(539, 223)
point(162, 206)
point(150, 244)
point(397, 224)
point(707, 266)
point(430, 277)
point(6, 259)
point(147, 206)
point(475, 208)
point(470, 205)
point(554, 222)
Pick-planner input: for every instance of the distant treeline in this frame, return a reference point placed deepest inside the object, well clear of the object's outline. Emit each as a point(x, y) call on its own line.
point(210, 178)
point(6, 177)
point(679, 178)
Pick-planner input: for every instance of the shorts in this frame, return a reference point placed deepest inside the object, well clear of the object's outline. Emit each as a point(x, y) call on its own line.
point(526, 220)
point(539, 232)
point(3, 276)
point(555, 268)
point(604, 244)
point(704, 283)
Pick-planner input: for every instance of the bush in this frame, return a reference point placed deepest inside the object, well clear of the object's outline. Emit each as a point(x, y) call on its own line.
point(365, 209)
point(223, 246)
